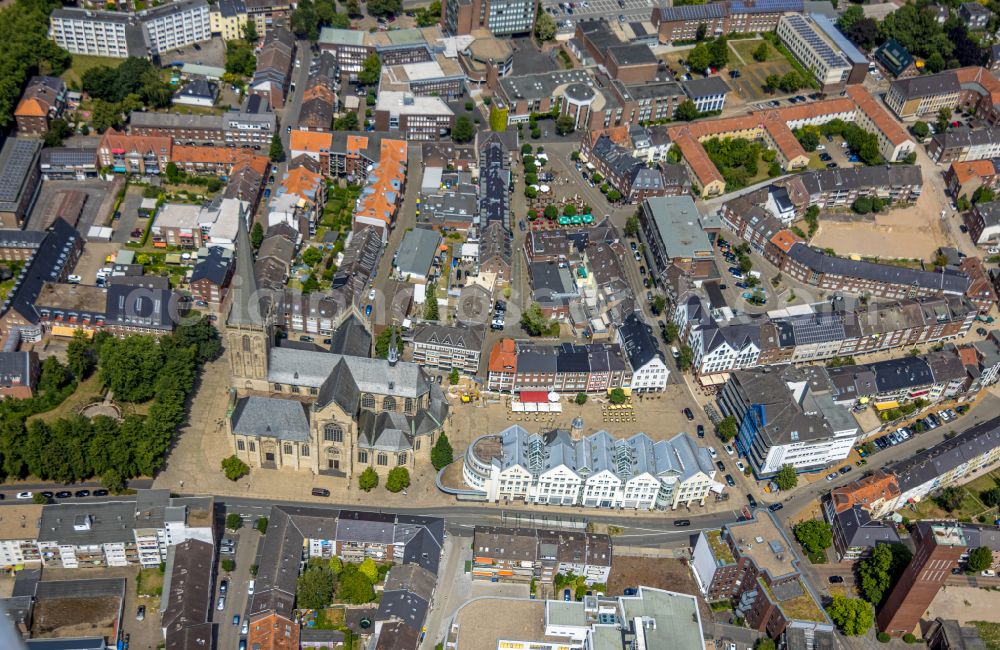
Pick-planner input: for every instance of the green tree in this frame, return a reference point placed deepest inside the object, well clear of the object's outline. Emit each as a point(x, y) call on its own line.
point(234, 521)
point(368, 479)
point(852, 616)
point(347, 121)
point(565, 124)
point(760, 54)
point(463, 131)
point(442, 454)
point(808, 138)
point(980, 559)
point(814, 535)
point(990, 497)
point(335, 565)
point(256, 234)
point(700, 32)
point(277, 150)
point(943, 119)
point(261, 525)
point(369, 570)
point(581, 398)
point(429, 16)
point(617, 396)
point(786, 478)
point(791, 81)
point(431, 307)
point(355, 588)
point(983, 194)
point(240, 59)
point(59, 129)
point(80, 356)
point(371, 70)
point(862, 205)
point(545, 27)
point(551, 212)
point(398, 479)
point(314, 588)
point(765, 644)
point(726, 429)
point(632, 226)
point(129, 367)
point(228, 564)
point(685, 359)
point(534, 321)
point(569, 210)
point(686, 111)
point(920, 130)
point(950, 498)
point(699, 58)
point(453, 377)
point(772, 82)
point(39, 498)
point(718, 51)
point(250, 31)
point(658, 304)
point(880, 570)
point(383, 340)
point(384, 7)
point(312, 256)
point(234, 468)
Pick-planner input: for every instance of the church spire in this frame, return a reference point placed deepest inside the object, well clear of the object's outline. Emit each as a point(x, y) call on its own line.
point(245, 308)
point(393, 356)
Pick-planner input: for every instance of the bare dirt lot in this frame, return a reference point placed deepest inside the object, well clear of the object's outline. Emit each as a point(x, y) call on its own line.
point(75, 617)
point(661, 573)
point(900, 233)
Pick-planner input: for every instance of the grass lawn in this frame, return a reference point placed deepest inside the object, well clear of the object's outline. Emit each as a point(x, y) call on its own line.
point(929, 509)
point(745, 49)
point(83, 62)
point(815, 162)
point(149, 582)
point(83, 395)
point(329, 619)
point(984, 482)
point(990, 632)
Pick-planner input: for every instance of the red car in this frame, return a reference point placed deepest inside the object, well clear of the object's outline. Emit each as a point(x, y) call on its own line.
point(956, 124)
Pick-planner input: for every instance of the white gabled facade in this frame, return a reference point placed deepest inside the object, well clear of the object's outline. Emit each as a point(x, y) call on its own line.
point(652, 376)
point(633, 473)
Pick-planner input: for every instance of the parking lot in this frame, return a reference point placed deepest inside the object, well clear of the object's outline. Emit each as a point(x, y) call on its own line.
point(634, 10)
point(246, 542)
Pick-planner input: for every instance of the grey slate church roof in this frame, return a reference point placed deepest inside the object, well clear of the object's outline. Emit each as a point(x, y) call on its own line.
point(284, 419)
point(246, 307)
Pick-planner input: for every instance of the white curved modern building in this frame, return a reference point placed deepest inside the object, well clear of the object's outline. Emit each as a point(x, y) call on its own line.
point(560, 467)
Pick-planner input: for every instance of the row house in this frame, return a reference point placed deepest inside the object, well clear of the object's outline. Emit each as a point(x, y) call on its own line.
point(589, 368)
point(630, 176)
point(130, 154)
point(524, 554)
point(121, 533)
point(252, 125)
point(597, 471)
point(832, 188)
point(382, 193)
point(272, 78)
point(963, 143)
point(753, 564)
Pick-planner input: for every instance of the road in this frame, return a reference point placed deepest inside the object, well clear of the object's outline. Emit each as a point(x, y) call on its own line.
point(237, 601)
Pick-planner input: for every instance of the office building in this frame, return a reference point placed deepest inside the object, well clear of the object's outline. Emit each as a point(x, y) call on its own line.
point(448, 347)
point(499, 17)
point(787, 416)
point(680, 23)
point(828, 65)
point(597, 471)
point(414, 117)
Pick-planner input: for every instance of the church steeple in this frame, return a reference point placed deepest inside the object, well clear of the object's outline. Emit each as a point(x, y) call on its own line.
point(245, 307)
point(393, 356)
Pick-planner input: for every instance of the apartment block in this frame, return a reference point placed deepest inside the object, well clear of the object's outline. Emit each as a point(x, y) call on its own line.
point(754, 564)
point(963, 143)
point(565, 468)
point(176, 24)
point(974, 89)
point(523, 554)
point(449, 347)
point(228, 19)
point(120, 533)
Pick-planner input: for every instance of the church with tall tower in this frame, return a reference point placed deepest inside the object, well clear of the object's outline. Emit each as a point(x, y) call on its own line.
point(318, 411)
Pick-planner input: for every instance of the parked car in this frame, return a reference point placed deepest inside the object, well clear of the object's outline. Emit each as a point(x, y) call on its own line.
point(775, 507)
point(236, 620)
point(701, 431)
point(845, 469)
point(140, 613)
point(741, 466)
point(223, 586)
point(64, 494)
point(729, 450)
point(719, 464)
point(221, 605)
point(688, 414)
point(100, 493)
point(730, 481)
point(712, 452)
point(567, 595)
point(831, 476)
point(835, 580)
point(752, 501)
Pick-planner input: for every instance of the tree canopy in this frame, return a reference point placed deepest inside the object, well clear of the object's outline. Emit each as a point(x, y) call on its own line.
point(314, 588)
point(686, 111)
point(398, 479)
point(786, 478)
point(880, 570)
point(463, 131)
point(371, 70)
point(368, 479)
point(442, 454)
point(980, 559)
point(545, 27)
point(814, 535)
point(852, 616)
point(533, 320)
point(132, 77)
point(240, 59)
